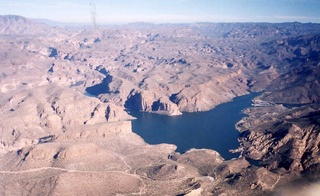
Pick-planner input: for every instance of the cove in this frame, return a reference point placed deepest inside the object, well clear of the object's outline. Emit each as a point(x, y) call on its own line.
point(214, 129)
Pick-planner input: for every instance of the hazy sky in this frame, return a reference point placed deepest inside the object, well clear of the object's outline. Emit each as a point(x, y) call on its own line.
point(163, 11)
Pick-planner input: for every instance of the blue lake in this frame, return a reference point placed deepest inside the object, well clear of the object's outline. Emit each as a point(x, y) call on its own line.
point(214, 129)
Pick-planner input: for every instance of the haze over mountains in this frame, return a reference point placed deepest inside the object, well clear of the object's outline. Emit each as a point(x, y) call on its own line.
point(64, 91)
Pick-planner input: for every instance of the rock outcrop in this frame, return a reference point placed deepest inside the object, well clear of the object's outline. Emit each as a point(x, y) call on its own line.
point(284, 138)
point(148, 102)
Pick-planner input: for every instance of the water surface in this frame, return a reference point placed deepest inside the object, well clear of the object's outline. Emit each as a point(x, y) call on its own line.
point(214, 129)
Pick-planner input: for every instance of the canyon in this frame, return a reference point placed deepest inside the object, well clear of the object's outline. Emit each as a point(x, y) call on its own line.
point(65, 93)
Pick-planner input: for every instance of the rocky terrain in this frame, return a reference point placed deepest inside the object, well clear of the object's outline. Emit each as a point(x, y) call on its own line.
point(64, 92)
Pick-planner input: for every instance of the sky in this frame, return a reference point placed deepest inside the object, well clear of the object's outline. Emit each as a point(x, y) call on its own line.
point(165, 11)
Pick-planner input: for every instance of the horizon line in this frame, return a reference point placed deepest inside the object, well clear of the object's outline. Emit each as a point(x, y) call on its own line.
point(153, 22)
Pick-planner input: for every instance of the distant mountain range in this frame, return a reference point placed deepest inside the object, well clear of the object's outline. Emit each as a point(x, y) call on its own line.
point(15, 24)
point(61, 24)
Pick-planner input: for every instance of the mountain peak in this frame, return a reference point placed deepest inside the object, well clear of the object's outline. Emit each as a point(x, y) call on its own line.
point(13, 18)
point(14, 24)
